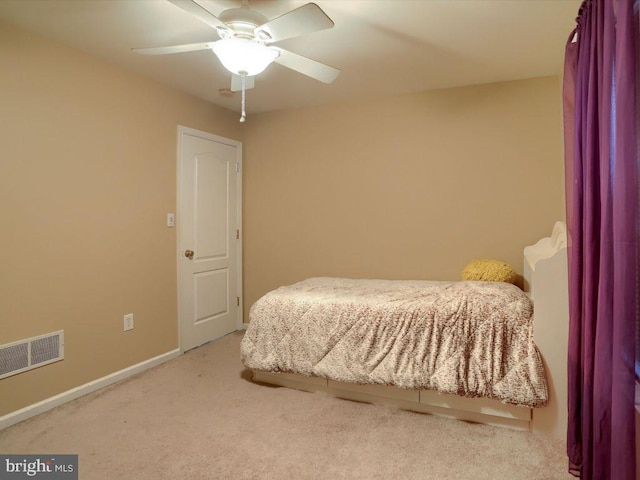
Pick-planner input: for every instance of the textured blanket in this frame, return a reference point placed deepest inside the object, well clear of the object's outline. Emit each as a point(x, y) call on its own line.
point(465, 338)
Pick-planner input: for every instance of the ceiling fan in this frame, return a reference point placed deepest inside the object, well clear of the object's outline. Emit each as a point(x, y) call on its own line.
point(245, 42)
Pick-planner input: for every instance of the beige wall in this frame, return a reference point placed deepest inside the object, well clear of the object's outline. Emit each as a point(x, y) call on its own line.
point(87, 176)
point(411, 186)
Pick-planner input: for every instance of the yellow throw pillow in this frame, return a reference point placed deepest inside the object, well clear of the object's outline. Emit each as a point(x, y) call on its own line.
point(489, 271)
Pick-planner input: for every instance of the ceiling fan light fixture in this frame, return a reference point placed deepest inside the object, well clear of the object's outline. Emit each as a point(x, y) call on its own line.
point(243, 56)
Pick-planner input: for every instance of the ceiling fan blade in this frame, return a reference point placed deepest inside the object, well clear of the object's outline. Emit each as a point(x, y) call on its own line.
point(305, 19)
point(190, 47)
point(306, 66)
point(201, 13)
point(236, 83)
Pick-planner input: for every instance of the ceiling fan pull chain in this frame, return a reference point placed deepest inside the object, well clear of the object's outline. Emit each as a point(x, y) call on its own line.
point(243, 118)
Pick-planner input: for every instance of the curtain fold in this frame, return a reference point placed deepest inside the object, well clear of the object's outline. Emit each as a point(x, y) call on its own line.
point(601, 168)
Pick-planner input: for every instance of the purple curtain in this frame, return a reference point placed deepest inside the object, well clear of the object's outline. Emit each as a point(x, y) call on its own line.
point(601, 158)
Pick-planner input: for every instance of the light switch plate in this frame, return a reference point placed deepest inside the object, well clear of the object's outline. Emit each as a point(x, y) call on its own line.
point(128, 321)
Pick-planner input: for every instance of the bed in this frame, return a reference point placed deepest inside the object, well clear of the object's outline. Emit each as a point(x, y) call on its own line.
point(464, 349)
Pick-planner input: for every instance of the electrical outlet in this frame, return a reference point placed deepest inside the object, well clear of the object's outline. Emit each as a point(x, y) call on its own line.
point(128, 322)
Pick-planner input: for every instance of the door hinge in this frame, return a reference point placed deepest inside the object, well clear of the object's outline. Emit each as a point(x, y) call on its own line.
point(237, 234)
point(237, 167)
point(237, 301)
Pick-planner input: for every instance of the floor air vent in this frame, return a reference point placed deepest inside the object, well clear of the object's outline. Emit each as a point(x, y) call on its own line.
point(31, 353)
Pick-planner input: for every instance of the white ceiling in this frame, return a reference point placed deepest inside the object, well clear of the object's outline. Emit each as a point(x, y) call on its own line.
point(383, 47)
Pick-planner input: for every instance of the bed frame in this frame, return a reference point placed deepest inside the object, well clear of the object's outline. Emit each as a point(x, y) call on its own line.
point(545, 279)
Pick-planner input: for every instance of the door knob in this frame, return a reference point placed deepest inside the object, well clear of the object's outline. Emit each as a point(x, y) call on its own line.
point(189, 254)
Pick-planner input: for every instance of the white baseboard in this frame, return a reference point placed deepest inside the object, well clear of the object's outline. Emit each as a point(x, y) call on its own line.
point(245, 326)
point(64, 397)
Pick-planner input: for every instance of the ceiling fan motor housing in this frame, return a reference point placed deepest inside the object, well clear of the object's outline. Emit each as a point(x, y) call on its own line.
point(243, 21)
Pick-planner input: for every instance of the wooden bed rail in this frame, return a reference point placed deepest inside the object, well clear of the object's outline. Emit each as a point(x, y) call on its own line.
point(478, 410)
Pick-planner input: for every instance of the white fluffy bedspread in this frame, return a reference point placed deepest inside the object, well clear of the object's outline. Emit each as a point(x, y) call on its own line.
point(465, 338)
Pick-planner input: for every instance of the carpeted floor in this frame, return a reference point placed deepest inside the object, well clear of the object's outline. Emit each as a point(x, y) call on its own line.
point(200, 417)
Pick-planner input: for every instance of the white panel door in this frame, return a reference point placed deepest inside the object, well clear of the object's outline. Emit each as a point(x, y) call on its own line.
point(209, 253)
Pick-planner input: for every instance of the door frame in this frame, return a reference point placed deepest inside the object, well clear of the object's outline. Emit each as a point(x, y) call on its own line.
point(181, 131)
